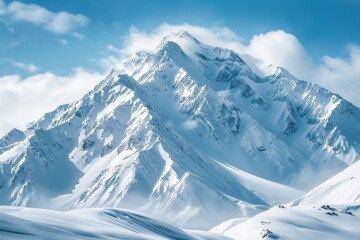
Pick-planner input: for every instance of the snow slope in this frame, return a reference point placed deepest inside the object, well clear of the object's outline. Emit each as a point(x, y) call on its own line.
point(297, 223)
point(179, 133)
point(329, 211)
point(340, 189)
point(291, 223)
point(28, 223)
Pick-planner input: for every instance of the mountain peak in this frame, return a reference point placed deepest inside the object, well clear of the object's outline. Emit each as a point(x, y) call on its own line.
point(184, 40)
point(14, 136)
point(181, 34)
point(282, 72)
point(186, 35)
point(186, 118)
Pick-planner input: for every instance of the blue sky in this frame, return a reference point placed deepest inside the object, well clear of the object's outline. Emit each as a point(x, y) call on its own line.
point(324, 27)
point(52, 52)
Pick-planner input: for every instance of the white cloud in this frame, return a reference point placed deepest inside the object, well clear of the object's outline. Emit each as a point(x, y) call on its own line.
point(281, 49)
point(29, 13)
point(111, 61)
point(111, 48)
point(30, 67)
point(64, 22)
point(60, 23)
point(340, 75)
point(25, 100)
point(138, 40)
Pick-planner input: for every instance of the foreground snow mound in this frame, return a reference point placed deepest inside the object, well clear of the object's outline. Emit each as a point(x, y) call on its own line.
point(297, 223)
point(27, 223)
point(342, 188)
point(179, 133)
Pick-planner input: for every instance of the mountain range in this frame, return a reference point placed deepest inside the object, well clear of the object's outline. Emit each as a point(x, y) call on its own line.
point(193, 135)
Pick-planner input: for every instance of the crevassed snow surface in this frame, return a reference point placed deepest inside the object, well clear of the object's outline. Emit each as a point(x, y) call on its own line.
point(179, 133)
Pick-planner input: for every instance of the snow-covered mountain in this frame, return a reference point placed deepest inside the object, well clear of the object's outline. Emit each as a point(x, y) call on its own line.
point(179, 133)
point(329, 211)
point(31, 223)
point(296, 223)
point(343, 188)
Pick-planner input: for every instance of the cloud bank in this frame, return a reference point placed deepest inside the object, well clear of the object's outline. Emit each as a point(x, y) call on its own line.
point(59, 23)
point(281, 49)
point(25, 100)
point(341, 75)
